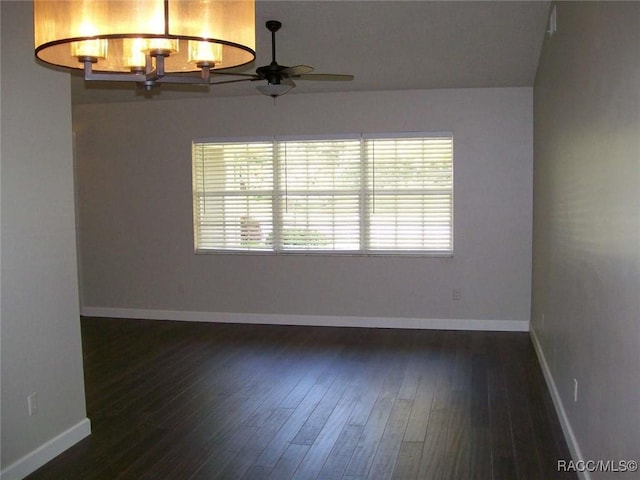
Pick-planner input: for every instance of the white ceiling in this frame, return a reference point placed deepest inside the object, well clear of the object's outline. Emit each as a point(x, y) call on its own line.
point(387, 45)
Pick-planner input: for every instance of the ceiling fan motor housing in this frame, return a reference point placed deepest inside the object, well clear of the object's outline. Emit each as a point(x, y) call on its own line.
point(273, 25)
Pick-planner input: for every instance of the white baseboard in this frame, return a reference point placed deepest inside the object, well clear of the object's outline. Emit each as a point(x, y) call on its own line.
point(46, 452)
point(569, 436)
point(310, 320)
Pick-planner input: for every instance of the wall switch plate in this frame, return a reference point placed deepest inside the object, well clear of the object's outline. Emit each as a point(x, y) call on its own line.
point(575, 389)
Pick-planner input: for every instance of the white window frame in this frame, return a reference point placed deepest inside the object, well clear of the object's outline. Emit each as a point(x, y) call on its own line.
point(366, 194)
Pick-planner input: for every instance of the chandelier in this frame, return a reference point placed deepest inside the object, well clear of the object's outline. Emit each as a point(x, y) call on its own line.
point(149, 42)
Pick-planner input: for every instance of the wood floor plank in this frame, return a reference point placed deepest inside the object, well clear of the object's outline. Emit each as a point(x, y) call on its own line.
point(341, 453)
point(408, 462)
point(196, 401)
point(421, 407)
point(318, 453)
point(315, 364)
point(525, 440)
point(281, 440)
point(222, 453)
point(433, 458)
point(363, 455)
point(500, 432)
point(374, 377)
point(480, 445)
point(288, 462)
point(458, 448)
point(251, 450)
point(389, 445)
point(317, 419)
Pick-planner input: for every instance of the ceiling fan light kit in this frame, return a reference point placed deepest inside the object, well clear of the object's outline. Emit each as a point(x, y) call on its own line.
point(274, 89)
point(151, 42)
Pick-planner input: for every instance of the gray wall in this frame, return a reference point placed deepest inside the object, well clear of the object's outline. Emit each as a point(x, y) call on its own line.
point(586, 281)
point(41, 347)
point(135, 209)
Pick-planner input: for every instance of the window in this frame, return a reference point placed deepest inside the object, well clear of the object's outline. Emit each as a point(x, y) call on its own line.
point(366, 194)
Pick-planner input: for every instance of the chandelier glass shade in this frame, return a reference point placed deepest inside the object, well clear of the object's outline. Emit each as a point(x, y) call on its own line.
point(145, 41)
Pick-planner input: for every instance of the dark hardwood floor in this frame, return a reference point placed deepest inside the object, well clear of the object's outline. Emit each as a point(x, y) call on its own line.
point(177, 400)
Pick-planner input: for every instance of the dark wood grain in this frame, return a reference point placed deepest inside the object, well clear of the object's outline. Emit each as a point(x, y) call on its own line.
point(187, 401)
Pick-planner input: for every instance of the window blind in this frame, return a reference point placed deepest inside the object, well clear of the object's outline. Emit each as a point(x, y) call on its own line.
point(233, 195)
point(364, 195)
point(319, 195)
point(410, 193)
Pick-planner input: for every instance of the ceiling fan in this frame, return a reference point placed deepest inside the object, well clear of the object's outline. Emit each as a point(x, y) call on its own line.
point(279, 77)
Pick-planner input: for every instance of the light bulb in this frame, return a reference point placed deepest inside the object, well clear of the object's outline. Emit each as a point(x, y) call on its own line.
point(89, 48)
point(134, 56)
point(205, 52)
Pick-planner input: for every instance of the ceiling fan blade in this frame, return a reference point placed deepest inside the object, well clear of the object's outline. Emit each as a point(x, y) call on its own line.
point(296, 70)
point(233, 74)
point(331, 77)
point(252, 79)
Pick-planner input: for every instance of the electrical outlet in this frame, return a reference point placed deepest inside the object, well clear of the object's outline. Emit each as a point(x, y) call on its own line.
point(32, 404)
point(456, 294)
